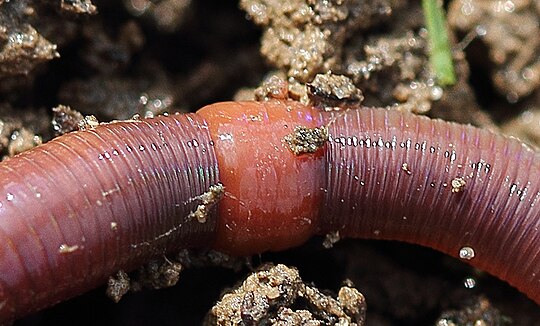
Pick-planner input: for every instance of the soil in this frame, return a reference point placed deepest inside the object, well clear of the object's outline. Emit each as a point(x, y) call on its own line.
point(65, 65)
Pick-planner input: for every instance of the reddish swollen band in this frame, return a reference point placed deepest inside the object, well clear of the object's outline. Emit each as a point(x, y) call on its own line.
point(90, 203)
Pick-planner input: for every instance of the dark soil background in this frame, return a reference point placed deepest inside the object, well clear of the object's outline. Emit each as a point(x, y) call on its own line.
point(114, 59)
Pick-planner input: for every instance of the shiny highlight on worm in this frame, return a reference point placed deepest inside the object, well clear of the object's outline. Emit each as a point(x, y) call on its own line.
point(85, 205)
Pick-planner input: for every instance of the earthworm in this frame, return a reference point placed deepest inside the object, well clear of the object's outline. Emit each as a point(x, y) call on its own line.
point(87, 204)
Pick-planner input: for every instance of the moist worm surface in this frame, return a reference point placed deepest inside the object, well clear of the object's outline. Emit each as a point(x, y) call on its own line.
point(83, 206)
point(464, 191)
point(79, 208)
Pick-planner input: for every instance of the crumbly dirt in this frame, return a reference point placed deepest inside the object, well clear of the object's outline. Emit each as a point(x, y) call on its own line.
point(65, 119)
point(330, 239)
point(273, 87)
point(330, 92)
point(267, 296)
point(157, 274)
point(479, 312)
point(63, 62)
point(118, 285)
point(16, 132)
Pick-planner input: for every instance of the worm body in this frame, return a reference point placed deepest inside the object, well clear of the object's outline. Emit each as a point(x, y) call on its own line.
point(464, 191)
point(85, 205)
point(273, 195)
point(78, 209)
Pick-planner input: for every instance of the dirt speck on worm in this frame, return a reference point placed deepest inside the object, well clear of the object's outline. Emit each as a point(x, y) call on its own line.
point(306, 140)
point(405, 167)
point(208, 200)
point(67, 249)
point(89, 122)
point(458, 185)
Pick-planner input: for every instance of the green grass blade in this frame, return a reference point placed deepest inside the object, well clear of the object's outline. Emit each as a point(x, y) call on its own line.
point(440, 56)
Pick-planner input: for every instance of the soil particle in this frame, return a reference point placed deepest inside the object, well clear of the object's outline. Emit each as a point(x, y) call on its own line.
point(67, 249)
point(353, 302)
point(479, 312)
point(287, 316)
point(272, 295)
point(79, 6)
point(207, 201)
point(306, 140)
point(273, 87)
point(251, 301)
point(65, 120)
point(406, 169)
point(348, 309)
point(308, 37)
point(289, 41)
point(331, 92)
point(330, 239)
point(165, 271)
point(417, 96)
point(156, 274)
point(31, 31)
point(23, 50)
point(22, 140)
point(14, 138)
point(458, 185)
point(404, 52)
point(88, 122)
point(117, 286)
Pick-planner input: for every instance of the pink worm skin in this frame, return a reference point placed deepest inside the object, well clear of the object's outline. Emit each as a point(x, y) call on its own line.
point(85, 205)
point(88, 204)
point(372, 194)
